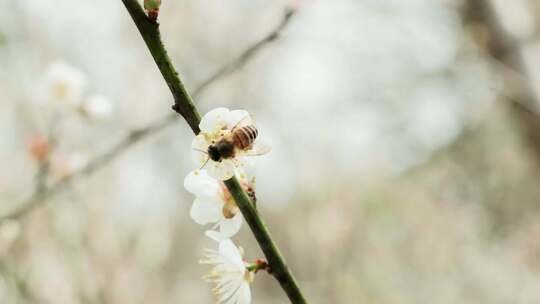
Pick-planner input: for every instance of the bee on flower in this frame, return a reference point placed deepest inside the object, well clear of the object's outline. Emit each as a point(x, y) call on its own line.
point(230, 274)
point(213, 202)
point(226, 140)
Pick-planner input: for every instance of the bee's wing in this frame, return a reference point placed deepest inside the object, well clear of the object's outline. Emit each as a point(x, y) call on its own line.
point(258, 149)
point(247, 119)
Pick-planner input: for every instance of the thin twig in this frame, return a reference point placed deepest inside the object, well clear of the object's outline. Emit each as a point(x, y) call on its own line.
point(149, 29)
point(184, 106)
point(247, 54)
point(42, 173)
point(134, 136)
point(507, 50)
point(501, 50)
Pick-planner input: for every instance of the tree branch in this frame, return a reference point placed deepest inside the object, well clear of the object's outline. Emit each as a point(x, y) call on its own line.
point(184, 106)
point(135, 136)
point(506, 50)
point(278, 267)
point(149, 29)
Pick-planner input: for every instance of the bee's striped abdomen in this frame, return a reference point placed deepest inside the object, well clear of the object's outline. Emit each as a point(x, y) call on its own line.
point(244, 137)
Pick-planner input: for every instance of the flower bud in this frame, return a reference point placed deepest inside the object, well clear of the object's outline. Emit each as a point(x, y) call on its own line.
point(152, 7)
point(38, 147)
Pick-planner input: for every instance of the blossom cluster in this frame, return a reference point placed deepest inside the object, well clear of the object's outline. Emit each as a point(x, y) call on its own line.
point(65, 87)
point(64, 96)
point(214, 205)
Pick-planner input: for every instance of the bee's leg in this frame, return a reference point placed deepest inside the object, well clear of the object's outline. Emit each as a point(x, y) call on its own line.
point(237, 163)
point(205, 162)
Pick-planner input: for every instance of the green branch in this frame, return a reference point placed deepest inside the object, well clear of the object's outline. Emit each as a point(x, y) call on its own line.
point(183, 104)
point(277, 264)
point(149, 29)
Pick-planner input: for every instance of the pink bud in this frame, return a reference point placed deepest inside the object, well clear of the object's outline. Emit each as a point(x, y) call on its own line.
point(38, 147)
point(152, 7)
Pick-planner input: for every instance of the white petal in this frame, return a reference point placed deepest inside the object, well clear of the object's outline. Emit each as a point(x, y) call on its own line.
point(248, 161)
point(228, 249)
point(244, 294)
point(238, 118)
point(221, 170)
point(215, 235)
point(204, 211)
point(98, 107)
point(66, 83)
point(229, 227)
point(199, 146)
point(200, 183)
point(230, 293)
point(214, 120)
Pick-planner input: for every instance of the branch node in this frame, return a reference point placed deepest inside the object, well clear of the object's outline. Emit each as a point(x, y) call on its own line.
point(176, 108)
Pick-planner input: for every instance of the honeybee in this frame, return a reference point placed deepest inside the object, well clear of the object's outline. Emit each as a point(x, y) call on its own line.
point(241, 138)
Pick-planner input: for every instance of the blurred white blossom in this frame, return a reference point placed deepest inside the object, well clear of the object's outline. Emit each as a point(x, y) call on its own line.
point(97, 107)
point(229, 274)
point(65, 83)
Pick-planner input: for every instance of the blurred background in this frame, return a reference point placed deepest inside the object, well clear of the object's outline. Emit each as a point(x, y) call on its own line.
point(405, 155)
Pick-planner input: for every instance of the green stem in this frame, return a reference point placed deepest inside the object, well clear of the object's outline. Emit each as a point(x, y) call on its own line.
point(149, 29)
point(258, 266)
point(277, 264)
point(183, 104)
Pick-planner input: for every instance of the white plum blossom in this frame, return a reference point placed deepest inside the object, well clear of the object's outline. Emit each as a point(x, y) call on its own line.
point(229, 274)
point(65, 83)
point(213, 203)
point(65, 87)
point(97, 107)
point(214, 126)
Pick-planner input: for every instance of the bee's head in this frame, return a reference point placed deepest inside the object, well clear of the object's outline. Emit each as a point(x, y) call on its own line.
point(213, 153)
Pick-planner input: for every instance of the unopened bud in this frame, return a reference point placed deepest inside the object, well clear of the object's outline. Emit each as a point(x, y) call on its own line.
point(152, 8)
point(38, 147)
